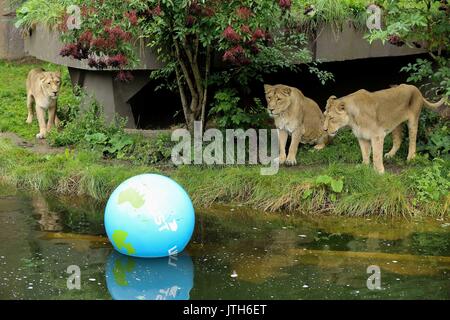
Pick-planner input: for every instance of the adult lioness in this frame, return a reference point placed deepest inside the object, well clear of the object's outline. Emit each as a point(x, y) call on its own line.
point(373, 115)
point(43, 89)
point(294, 115)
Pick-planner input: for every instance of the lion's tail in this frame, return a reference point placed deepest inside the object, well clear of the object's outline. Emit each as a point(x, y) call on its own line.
point(435, 105)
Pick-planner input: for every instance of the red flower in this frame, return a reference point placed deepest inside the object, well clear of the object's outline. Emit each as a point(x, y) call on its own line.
point(107, 23)
point(208, 12)
point(86, 11)
point(245, 29)
point(254, 48)
point(395, 40)
point(244, 13)
point(117, 33)
point(117, 61)
point(86, 37)
point(258, 34)
point(101, 43)
point(195, 8)
point(69, 50)
point(228, 56)
point(235, 55)
point(92, 63)
point(231, 35)
point(62, 27)
point(132, 17)
point(75, 50)
point(285, 4)
point(157, 10)
point(101, 64)
point(97, 63)
point(190, 21)
point(82, 51)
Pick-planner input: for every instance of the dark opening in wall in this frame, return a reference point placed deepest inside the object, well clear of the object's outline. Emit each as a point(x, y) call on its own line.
point(156, 109)
point(349, 76)
point(162, 109)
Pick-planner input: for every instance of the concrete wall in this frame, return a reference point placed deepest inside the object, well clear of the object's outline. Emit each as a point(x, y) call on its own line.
point(11, 42)
point(329, 46)
point(45, 44)
point(351, 45)
point(115, 96)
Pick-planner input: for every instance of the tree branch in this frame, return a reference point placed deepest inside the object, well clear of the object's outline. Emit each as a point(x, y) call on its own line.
point(194, 94)
point(205, 90)
point(187, 112)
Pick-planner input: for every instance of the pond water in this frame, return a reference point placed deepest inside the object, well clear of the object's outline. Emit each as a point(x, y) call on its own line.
point(234, 254)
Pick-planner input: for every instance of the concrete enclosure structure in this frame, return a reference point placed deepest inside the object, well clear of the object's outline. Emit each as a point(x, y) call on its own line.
point(115, 96)
point(11, 42)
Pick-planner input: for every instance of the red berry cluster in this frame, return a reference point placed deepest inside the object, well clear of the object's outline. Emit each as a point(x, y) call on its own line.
point(244, 13)
point(196, 11)
point(156, 11)
point(132, 17)
point(243, 41)
point(101, 51)
point(75, 50)
point(395, 40)
point(285, 4)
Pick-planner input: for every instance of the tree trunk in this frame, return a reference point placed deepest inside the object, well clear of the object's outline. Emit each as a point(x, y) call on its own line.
point(189, 75)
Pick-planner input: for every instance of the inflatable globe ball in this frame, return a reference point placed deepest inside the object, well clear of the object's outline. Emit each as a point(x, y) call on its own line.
point(168, 278)
point(149, 216)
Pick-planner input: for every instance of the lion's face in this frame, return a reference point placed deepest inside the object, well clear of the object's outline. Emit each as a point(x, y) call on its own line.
point(278, 99)
point(336, 116)
point(50, 83)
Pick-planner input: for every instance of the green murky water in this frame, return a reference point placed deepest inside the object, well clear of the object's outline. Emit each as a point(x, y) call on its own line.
point(234, 254)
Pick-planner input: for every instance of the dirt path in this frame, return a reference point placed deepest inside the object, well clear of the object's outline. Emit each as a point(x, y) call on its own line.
point(37, 146)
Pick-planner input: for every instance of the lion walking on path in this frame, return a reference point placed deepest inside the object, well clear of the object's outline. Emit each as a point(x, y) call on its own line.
point(43, 90)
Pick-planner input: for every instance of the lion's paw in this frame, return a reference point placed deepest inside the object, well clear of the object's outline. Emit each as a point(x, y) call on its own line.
point(291, 162)
point(319, 146)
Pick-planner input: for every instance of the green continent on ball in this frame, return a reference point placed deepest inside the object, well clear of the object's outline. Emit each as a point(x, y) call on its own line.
point(132, 196)
point(119, 237)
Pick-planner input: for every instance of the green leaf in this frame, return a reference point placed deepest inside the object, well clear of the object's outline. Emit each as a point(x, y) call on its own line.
point(337, 185)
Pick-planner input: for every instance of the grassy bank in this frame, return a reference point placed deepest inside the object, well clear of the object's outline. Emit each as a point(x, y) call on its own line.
point(100, 157)
point(301, 190)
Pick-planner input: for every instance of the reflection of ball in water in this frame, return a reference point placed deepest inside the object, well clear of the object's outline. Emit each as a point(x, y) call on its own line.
point(169, 278)
point(149, 216)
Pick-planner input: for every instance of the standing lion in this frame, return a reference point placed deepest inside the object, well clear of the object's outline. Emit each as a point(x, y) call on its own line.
point(295, 115)
point(373, 115)
point(43, 89)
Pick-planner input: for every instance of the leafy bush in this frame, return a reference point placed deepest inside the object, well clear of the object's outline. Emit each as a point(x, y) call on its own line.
point(150, 150)
point(88, 129)
point(431, 183)
point(86, 126)
point(315, 14)
point(438, 144)
point(47, 12)
point(114, 146)
point(230, 115)
point(435, 77)
point(334, 186)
